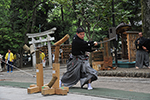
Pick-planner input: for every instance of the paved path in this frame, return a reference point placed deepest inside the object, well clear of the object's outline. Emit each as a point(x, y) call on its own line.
point(136, 86)
point(9, 93)
point(120, 83)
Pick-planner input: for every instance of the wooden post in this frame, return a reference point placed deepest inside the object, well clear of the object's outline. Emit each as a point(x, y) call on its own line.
point(107, 55)
point(39, 75)
point(57, 53)
point(66, 37)
point(38, 59)
point(56, 72)
point(39, 80)
point(51, 83)
point(106, 48)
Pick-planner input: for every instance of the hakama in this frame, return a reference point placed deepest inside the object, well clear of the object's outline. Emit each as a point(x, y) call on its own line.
point(78, 69)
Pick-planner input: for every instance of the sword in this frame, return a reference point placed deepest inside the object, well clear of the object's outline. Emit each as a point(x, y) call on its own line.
point(106, 40)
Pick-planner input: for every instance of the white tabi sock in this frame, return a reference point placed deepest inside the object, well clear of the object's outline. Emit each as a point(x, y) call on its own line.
point(89, 86)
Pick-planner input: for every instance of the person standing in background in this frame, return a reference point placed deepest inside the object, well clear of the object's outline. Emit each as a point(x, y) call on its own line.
point(142, 56)
point(9, 59)
point(0, 62)
point(42, 56)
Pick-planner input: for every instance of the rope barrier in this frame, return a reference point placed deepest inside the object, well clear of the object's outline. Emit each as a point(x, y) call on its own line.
point(34, 75)
point(19, 69)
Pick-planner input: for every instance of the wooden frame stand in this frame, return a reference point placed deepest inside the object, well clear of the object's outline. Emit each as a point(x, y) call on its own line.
point(39, 80)
point(55, 89)
point(53, 86)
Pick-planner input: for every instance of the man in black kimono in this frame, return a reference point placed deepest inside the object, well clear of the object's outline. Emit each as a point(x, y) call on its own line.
point(78, 68)
point(142, 56)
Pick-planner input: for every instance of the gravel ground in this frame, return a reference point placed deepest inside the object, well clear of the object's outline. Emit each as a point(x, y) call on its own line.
point(119, 83)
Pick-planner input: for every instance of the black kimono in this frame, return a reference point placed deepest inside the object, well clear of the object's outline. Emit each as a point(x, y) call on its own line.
point(142, 57)
point(78, 68)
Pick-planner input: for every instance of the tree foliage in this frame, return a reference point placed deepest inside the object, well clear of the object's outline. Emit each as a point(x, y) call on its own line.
point(19, 17)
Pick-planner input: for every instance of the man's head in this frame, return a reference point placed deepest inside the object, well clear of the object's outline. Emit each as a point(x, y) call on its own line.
point(80, 32)
point(9, 50)
point(40, 51)
point(140, 34)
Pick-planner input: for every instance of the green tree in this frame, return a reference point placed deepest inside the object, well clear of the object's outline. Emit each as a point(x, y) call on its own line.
point(19, 17)
point(145, 17)
point(130, 11)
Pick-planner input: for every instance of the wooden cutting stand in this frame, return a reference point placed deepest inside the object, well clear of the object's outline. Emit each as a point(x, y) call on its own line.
point(55, 89)
point(39, 76)
point(39, 80)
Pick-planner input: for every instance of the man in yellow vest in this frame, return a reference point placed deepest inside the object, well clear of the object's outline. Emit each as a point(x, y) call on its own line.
point(42, 56)
point(9, 59)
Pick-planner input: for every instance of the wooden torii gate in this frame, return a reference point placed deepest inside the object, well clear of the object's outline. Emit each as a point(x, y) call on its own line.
point(41, 39)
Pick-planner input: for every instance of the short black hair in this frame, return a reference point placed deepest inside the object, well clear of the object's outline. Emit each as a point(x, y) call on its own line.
point(80, 29)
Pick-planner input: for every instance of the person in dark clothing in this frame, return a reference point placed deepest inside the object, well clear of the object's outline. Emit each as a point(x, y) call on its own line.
point(3, 64)
point(78, 68)
point(1, 69)
point(142, 57)
point(79, 46)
